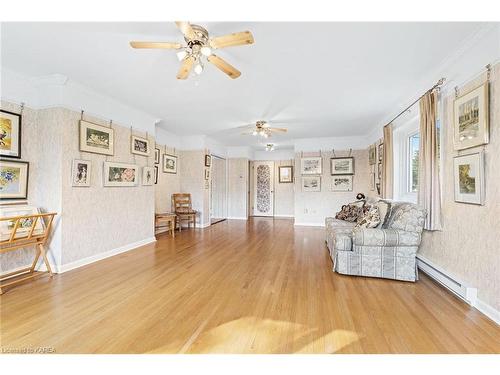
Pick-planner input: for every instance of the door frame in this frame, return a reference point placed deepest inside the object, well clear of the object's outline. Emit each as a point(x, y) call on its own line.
point(254, 187)
point(214, 156)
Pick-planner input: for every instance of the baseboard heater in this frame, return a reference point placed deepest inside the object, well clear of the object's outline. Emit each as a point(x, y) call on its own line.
point(458, 287)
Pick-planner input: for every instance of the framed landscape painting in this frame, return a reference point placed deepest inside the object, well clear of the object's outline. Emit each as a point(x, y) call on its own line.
point(14, 179)
point(208, 160)
point(120, 174)
point(471, 114)
point(10, 134)
point(148, 175)
point(311, 165)
point(139, 145)
point(156, 175)
point(468, 171)
point(169, 163)
point(311, 183)
point(96, 138)
point(342, 183)
point(157, 156)
point(342, 166)
point(25, 225)
point(285, 174)
point(372, 155)
point(81, 172)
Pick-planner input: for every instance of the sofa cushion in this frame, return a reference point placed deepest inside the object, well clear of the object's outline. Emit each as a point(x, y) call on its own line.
point(384, 209)
point(331, 224)
point(370, 219)
point(342, 240)
point(406, 216)
point(385, 237)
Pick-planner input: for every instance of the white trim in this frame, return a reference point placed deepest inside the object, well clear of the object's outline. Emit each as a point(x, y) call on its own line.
point(305, 224)
point(487, 310)
point(237, 218)
point(94, 258)
point(285, 216)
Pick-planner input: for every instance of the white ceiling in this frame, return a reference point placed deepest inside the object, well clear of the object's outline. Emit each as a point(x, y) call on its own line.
point(316, 79)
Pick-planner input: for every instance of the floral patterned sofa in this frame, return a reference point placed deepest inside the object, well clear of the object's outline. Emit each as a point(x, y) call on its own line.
point(387, 251)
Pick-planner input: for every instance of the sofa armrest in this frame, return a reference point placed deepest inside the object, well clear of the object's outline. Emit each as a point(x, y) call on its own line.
point(385, 237)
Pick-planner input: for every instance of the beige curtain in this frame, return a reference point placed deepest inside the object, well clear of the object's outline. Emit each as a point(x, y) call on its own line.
point(387, 187)
point(429, 190)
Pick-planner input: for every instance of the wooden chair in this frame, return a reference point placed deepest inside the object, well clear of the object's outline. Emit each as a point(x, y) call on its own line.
point(182, 206)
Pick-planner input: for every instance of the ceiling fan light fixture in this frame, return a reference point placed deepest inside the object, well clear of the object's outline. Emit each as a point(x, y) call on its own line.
point(198, 69)
point(206, 51)
point(181, 55)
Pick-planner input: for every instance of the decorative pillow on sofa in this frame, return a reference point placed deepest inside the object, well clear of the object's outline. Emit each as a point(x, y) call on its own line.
point(371, 219)
point(384, 208)
point(350, 212)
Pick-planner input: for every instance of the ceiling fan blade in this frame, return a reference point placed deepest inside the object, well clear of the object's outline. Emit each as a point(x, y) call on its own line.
point(282, 130)
point(227, 68)
point(162, 45)
point(186, 29)
point(187, 65)
point(229, 40)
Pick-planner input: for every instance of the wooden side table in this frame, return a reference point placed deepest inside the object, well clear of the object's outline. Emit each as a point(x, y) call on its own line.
point(167, 219)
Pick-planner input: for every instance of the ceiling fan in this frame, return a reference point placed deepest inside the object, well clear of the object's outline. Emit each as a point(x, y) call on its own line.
point(262, 128)
point(198, 46)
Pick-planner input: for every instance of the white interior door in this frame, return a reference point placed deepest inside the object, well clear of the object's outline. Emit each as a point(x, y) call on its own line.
point(218, 189)
point(263, 179)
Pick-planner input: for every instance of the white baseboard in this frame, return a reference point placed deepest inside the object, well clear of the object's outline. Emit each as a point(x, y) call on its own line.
point(457, 286)
point(285, 216)
point(237, 218)
point(305, 224)
point(94, 258)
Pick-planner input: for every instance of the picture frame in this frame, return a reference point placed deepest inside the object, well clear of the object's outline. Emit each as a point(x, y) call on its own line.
point(207, 174)
point(311, 183)
point(10, 134)
point(169, 163)
point(311, 165)
point(139, 145)
point(96, 139)
point(208, 160)
point(14, 177)
point(148, 176)
point(157, 155)
point(471, 118)
point(380, 152)
point(379, 171)
point(342, 182)
point(81, 173)
point(372, 155)
point(342, 165)
point(120, 174)
point(468, 174)
point(378, 187)
point(156, 175)
point(372, 181)
point(7, 226)
point(285, 174)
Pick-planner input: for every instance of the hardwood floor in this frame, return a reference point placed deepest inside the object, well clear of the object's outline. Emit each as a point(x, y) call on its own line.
point(260, 286)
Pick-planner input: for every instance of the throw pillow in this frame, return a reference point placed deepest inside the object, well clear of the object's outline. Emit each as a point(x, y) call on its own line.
point(349, 213)
point(370, 219)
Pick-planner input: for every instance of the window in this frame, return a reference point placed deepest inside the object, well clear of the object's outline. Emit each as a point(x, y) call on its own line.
point(413, 148)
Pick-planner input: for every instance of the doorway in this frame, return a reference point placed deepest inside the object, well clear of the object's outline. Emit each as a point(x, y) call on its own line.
point(263, 188)
point(218, 192)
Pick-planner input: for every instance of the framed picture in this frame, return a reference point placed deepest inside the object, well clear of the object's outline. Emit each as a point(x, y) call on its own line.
point(470, 118)
point(342, 166)
point(81, 172)
point(148, 175)
point(378, 187)
point(96, 138)
point(25, 225)
point(311, 183)
point(468, 171)
point(120, 174)
point(14, 179)
point(139, 145)
point(380, 152)
point(342, 183)
point(372, 155)
point(169, 163)
point(311, 165)
point(208, 160)
point(156, 175)
point(157, 156)
point(379, 171)
point(10, 134)
point(207, 174)
point(285, 174)
point(372, 181)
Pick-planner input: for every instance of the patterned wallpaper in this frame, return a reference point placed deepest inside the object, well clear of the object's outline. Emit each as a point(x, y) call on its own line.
point(168, 183)
point(468, 245)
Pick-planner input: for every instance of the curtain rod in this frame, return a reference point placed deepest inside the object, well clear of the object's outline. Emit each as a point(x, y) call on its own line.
point(438, 83)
